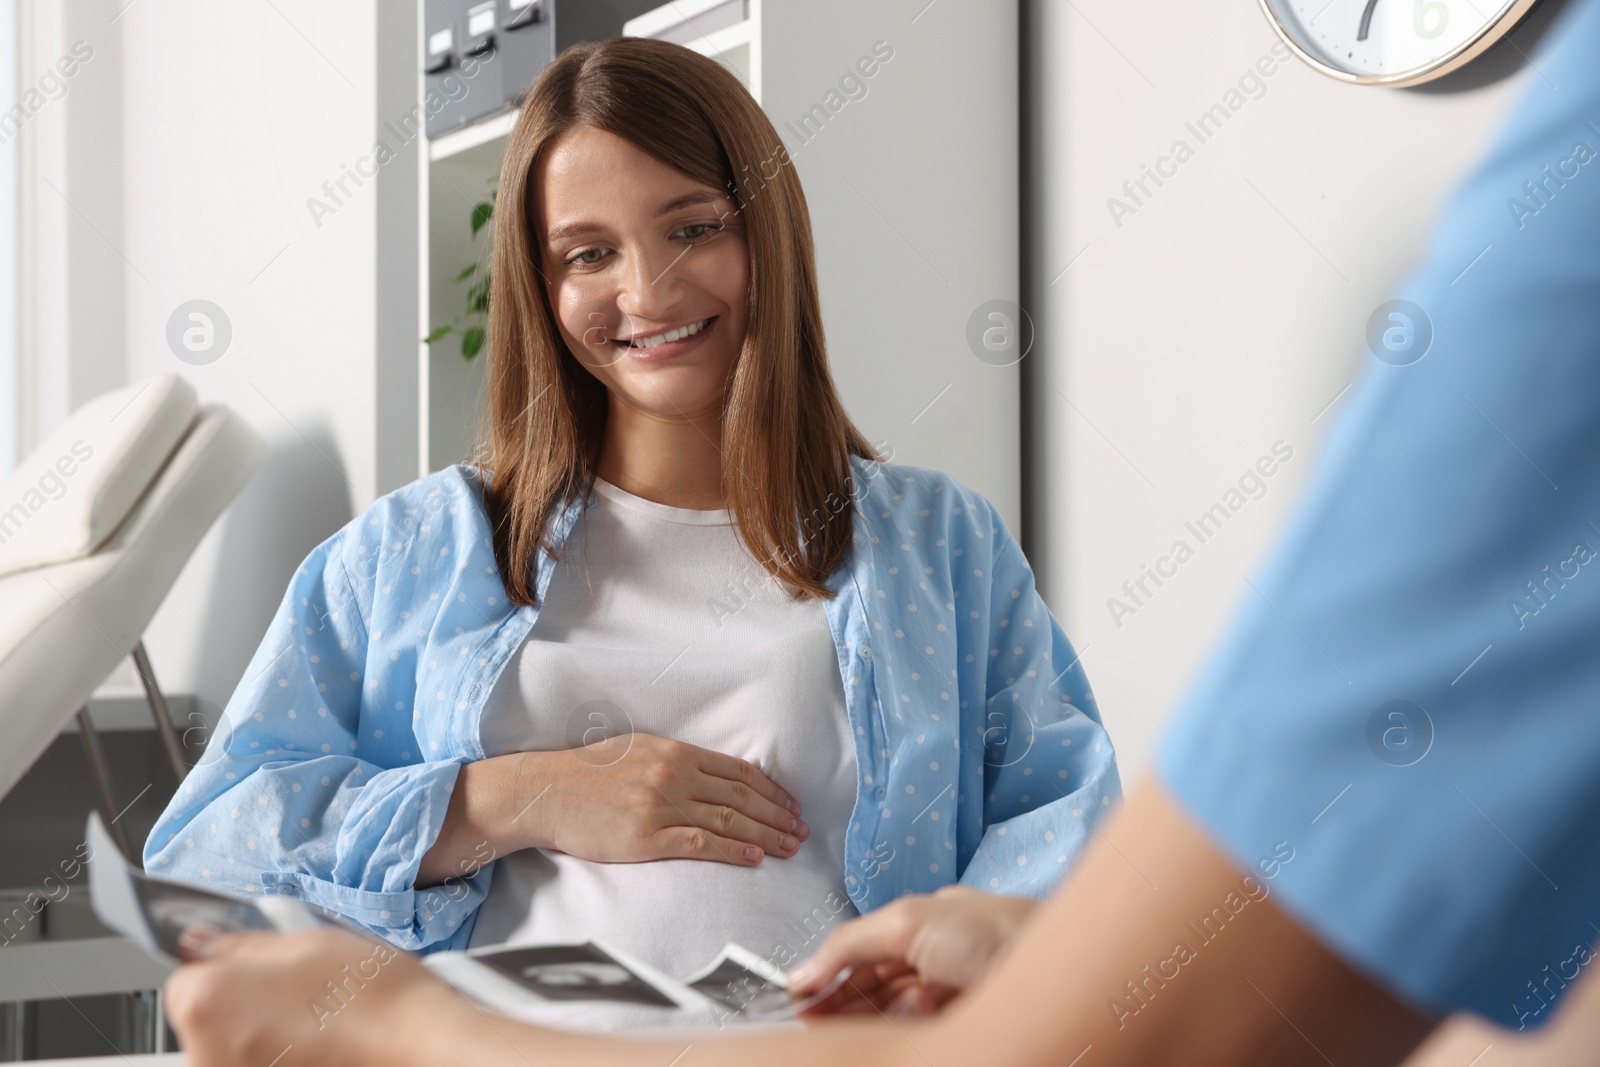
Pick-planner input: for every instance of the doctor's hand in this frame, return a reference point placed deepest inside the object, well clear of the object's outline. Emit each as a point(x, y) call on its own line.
point(915, 955)
point(320, 996)
point(636, 797)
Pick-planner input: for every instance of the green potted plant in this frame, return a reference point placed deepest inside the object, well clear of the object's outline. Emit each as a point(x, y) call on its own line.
point(474, 319)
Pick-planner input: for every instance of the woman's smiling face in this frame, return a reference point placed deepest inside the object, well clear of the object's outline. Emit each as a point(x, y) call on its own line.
point(647, 270)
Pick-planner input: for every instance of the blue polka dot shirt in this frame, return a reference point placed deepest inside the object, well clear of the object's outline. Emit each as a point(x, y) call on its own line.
point(980, 753)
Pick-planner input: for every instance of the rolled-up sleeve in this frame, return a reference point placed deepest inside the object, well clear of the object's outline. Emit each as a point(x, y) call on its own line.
point(290, 797)
point(1049, 771)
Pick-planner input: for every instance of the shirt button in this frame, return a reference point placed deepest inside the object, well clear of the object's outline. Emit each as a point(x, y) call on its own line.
point(866, 651)
point(880, 794)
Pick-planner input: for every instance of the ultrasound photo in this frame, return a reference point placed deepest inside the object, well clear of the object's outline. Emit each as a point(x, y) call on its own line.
point(741, 989)
point(574, 972)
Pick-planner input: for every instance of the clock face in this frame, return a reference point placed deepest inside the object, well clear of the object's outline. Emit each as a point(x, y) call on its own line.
point(1392, 40)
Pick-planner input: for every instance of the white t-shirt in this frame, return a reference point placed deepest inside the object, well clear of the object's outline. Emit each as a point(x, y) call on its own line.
point(659, 617)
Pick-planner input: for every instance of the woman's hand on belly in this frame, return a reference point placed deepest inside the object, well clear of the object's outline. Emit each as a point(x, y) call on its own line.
point(628, 799)
point(637, 797)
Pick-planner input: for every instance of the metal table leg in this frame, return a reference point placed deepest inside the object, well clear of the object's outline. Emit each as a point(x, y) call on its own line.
point(158, 709)
point(149, 1028)
point(18, 1031)
point(101, 773)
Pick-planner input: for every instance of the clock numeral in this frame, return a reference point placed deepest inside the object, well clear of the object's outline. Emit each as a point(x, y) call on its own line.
point(1366, 20)
point(1429, 18)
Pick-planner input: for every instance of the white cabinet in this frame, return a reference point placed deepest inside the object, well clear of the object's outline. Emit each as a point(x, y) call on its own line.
point(911, 175)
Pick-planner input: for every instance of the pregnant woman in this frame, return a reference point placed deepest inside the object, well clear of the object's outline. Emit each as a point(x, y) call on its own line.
point(681, 660)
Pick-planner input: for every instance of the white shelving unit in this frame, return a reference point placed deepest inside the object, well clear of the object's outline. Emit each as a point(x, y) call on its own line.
point(911, 176)
point(493, 128)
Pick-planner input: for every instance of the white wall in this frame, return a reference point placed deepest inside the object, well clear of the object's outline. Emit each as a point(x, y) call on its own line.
point(70, 186)
point(913, 193)
point(233, 117)
point(1221, 317)
point(10, 220)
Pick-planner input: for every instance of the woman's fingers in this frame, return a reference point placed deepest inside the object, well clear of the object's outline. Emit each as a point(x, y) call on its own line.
point(667, 800)
point(863, 992)
point(743, 771)
point(698, 843)
point(742, 798)
point(882, 936)
point(727, 822)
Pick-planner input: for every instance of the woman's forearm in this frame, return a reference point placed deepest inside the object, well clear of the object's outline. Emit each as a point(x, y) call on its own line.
point(492, 813)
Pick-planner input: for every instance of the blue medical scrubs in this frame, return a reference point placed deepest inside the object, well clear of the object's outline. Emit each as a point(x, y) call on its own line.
point(1409, 696)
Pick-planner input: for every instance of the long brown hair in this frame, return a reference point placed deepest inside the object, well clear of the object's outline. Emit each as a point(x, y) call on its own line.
point(786, 440)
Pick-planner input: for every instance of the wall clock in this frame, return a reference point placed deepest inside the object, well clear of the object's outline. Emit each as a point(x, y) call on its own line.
point(1393, 43)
